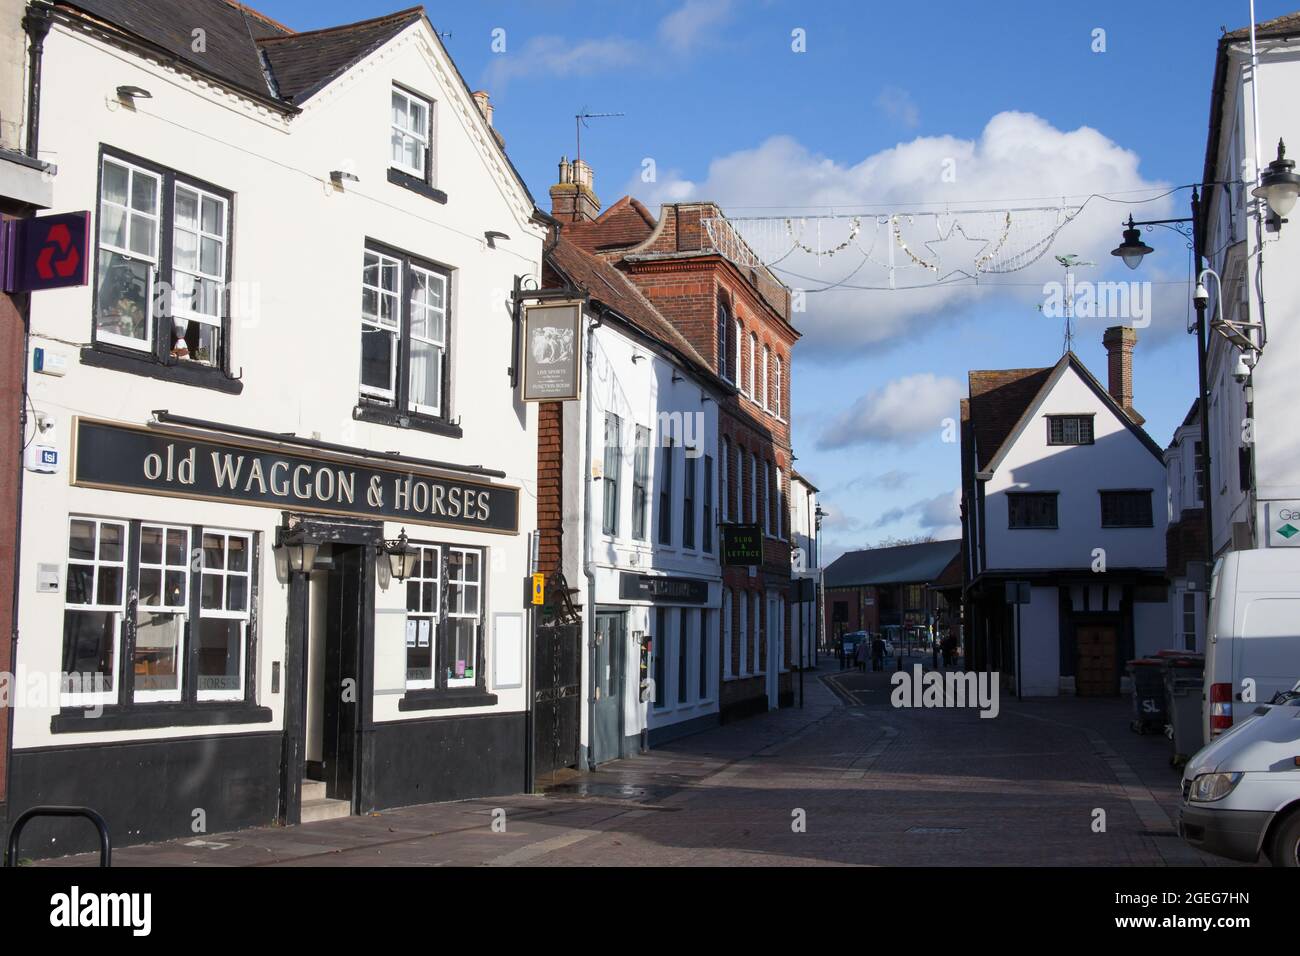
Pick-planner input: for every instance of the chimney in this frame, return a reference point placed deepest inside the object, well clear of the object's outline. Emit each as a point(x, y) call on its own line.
point(1119, 341)
point(484, 103)
point(573, 198)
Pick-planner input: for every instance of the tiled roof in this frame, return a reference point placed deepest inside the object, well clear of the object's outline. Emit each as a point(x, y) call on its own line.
point(229, 30)
point(302, 63)
point(997, 400)
point(623, 224)
point(236, 37)
point(1287, 24)
point(904, 564)
point(605, 283)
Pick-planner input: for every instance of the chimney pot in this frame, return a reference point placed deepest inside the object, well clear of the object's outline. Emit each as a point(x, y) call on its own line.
point(484, 102)
point(572, 198)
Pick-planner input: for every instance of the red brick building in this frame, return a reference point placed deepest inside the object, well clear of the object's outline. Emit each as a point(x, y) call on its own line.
point(737, 316)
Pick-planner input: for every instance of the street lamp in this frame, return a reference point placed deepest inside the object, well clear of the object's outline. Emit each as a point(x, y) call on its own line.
point(402, 558)
point(1132, 249)
point(1279, 187)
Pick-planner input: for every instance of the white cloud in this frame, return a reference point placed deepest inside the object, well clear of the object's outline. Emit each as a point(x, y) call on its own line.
point(899, 106)
point(550, 55)
point(1018, 159)
point(939, 516)
point(690, 24)
point(902, 412)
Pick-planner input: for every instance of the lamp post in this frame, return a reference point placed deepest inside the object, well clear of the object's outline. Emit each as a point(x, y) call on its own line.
point(1279, 185)
point(1132, 251)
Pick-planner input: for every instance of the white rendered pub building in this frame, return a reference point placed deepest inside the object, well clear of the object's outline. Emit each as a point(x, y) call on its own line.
point(278, 571)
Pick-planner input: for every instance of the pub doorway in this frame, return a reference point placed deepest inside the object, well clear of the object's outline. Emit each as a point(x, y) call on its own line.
point(328, 663)
point(334, 684)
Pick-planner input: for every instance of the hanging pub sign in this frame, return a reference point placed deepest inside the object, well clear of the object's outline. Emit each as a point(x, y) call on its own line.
point(132, 458)
point(552, 349)
point(660, 589)
point(742, 545)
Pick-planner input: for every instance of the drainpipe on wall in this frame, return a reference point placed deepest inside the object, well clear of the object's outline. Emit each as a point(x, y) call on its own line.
point(37, 24)
point(587, 569)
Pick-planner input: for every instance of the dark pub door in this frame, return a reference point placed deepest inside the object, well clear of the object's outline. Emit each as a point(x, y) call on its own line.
point(339, 679)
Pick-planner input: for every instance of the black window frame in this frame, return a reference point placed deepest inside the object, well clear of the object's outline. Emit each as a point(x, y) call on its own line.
point(641, 484)
point(724, 337)
point(1109, 499)
point(609, 479)
point(683, 654)
point(1082, 418)
point(158, 362)
point(660, 650)
point(706, 519)
point(442, 695)
point(690, 478)
point(665, 482)
point(370, 408)
point(423, 185)
point(1013, 497)
point(127, 713)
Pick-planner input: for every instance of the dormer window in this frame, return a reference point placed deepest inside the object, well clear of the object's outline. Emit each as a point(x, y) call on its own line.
point(411, 135)
point(1069, 429)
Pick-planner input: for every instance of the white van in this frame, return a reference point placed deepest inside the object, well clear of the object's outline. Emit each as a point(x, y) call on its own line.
point(1254, 634)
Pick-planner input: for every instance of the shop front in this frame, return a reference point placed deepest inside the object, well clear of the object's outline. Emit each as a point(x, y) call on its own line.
point(226, 628)
point(661, 629)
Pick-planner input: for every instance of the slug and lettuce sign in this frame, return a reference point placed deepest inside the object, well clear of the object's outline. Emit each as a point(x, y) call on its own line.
point(126, 458)
point(742, 544)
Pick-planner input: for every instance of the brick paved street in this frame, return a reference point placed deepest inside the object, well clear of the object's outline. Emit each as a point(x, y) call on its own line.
point(877, 785)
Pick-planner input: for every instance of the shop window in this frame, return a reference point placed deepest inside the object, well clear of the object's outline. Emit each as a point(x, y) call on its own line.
point(728, 639)
point(162, 267)
point(708, 621)
point(143, 611)
point(224, 615)
point(444, 618)
point(161, 610)
point(405, 339)
point(683, 655)
point(95, 603)
point(660, 649)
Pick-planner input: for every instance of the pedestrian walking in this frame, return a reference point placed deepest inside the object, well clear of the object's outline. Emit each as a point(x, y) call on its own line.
point(877, 653)
point(860, 654)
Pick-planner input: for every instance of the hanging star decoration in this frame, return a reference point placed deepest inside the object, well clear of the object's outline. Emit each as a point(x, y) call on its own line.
point(950, 248)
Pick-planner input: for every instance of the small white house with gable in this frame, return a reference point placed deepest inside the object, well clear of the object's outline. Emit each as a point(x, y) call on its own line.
point(1063, 499)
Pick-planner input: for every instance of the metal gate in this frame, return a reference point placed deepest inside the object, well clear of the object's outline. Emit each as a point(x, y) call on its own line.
point(557, 697)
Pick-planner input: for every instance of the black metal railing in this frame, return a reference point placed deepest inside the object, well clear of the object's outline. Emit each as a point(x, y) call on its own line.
point(15, 831)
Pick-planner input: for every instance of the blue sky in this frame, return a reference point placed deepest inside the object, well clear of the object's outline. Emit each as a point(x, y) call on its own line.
point(943, 104)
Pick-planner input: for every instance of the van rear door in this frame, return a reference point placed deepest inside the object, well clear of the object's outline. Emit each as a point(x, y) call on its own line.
point(1267, 651)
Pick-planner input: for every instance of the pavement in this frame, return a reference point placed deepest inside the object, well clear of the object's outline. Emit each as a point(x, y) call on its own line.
point(847, 779)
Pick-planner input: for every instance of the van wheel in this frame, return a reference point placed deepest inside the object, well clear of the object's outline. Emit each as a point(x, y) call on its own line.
point(1284, 848)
